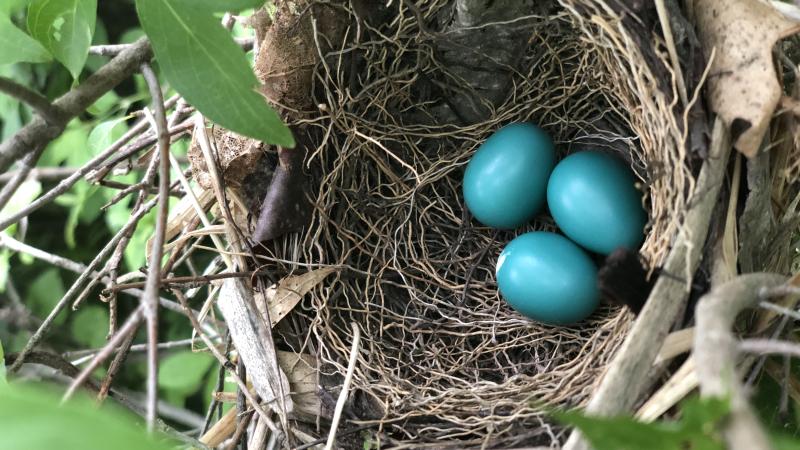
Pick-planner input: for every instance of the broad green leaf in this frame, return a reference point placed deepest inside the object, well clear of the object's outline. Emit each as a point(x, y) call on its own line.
point(32, 418)
point(90, 325)
point(104, 104)
point(223, 5)
point(183, 372)
point(202, 62)
point(697, 429)
point(43, 294)
point(105, 134)
point(16, 46)
point(623, 433)
point(65, 28)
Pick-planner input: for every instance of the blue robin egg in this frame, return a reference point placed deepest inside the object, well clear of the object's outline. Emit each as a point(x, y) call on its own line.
point(548, 278)
point(593, 198)
point(505, 183)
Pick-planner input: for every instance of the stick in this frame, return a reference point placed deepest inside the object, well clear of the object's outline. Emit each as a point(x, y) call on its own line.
point(34, 136)
point(153, 283)
point(627, 373)
point(715, 354)
point(351, 366)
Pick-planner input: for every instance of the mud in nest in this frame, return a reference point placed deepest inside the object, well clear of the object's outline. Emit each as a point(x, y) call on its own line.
point(444, 362)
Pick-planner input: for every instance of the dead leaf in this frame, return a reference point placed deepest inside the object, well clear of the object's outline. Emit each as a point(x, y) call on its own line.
point(743, 86)
point(301, 369)
point(282, 298)
point(237, 157)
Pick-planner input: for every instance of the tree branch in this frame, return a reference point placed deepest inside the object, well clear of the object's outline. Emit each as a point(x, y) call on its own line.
point(715, 353)
point(33, 137)
point(35, 100)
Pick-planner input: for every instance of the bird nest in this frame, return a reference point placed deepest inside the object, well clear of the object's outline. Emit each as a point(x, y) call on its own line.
point(444, 361)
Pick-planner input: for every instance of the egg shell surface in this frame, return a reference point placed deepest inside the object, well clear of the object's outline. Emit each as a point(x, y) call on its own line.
point(593, 198)
point(505, 182)
point(546, 277)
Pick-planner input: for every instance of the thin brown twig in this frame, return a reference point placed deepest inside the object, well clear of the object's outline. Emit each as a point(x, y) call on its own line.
point(187, 281)
point(79, 283)
point(153, 283)
point(41, 174)
point(116, 365)
point(130, 327)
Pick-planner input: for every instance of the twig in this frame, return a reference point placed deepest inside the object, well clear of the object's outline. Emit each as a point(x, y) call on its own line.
point(769, 347)
point(715, 354)
point(58, 261)
point(135, 348)
point(50, 113)
point(351, 366)
point(153, 283)
point(130, 327)
point(343, 433)
point(41, 173)
point(76, 176)
point(223, 360)
point(113, 369)
point(627, 373)
point(33, 137)
point(78, 284)
point(112, 50)
point(780, 309)
point(188, 281)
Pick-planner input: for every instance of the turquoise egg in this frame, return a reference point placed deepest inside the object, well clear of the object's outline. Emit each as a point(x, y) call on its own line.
point(548, 278)
point(505, 183)
point(593, 198)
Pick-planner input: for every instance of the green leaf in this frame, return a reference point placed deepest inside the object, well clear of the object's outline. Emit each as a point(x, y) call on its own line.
point(105, 134)
point(90, 325)
point(183, 373)
point(622, 433)
point(202, 62)
point(32, 418)
point(697, 429)
point(65, 28)
point(43, 294)
point(16, 46)
point(26, 193)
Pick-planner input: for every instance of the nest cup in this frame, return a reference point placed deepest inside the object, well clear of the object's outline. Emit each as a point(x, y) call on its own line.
point(443, 359)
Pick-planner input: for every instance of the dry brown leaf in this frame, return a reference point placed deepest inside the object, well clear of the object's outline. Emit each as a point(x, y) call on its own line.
point(743, 86)
point(301, 369)
point(284, 297)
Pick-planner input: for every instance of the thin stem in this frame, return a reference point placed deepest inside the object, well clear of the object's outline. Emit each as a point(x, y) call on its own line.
point(153, 284)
